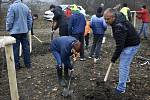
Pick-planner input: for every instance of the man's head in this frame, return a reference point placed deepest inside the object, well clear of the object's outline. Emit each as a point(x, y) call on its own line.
point(51, 8)
point(99, 12)
point(109, 16)
point(77, 46)
point(124, 5)
point(144, 6)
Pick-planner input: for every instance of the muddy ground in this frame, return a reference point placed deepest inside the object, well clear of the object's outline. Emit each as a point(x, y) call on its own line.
point(40, 83)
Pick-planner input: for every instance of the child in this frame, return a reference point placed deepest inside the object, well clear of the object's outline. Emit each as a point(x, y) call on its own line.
point(87, 32)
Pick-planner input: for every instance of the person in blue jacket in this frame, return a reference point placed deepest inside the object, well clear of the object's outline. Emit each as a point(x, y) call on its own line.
point(18, 24)
point(76, 27)
point(98, 26)
point(62, 48)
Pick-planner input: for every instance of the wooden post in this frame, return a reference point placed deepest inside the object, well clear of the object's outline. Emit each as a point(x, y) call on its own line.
point(11, 72)
point(7, 41)
point(30, 41)
point(134, 19)
point(20, 50)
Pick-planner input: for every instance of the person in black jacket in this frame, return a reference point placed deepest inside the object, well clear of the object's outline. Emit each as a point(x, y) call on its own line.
point(127, 44)
point(60, 20)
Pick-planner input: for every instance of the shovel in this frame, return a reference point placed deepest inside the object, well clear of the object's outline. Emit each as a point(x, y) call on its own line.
point(66, 91)
point(52, 35)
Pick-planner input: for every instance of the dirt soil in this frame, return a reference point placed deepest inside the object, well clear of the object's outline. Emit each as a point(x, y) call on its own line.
point(40, 82)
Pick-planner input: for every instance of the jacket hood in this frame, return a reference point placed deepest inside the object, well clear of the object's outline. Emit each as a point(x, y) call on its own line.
point(120, 18)
point(99, 15)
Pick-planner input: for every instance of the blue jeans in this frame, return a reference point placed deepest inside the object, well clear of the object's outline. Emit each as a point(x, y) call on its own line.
point(144, 29)
point(23, 39)
point(124, 66)
point(96, 46)
point(59, 60)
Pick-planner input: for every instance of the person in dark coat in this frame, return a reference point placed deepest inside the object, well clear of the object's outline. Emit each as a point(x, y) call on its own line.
point(127, 44)
point(62, 48)
point(76, 28)
point(60, 20)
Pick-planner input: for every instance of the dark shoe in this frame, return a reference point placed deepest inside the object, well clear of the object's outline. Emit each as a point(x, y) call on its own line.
point(17, 68)
point(119, 92)
point(82, 59)
point(62, 82)
point(28, 66)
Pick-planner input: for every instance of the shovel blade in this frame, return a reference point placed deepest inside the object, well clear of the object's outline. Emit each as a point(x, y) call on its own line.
point(66, 92)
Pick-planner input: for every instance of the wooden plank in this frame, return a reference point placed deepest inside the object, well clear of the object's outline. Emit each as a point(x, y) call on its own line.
point(11, 72)
point(7, 41)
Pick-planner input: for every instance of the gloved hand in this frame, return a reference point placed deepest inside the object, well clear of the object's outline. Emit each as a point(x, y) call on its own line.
point(75, 55)
point(52, 31)
point(112, 60)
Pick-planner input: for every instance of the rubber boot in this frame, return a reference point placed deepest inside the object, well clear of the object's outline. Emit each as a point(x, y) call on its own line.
point(66, 74)
point(60, 78)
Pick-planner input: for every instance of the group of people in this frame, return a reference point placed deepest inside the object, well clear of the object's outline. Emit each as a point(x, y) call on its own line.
point(125, 35)
point(72, 30)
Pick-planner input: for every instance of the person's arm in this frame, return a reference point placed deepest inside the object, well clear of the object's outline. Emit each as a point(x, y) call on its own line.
point(129, 15)
point(141, 11)
point(9, 19)
point(70, 25)
point(120, 37)
point(29, 20)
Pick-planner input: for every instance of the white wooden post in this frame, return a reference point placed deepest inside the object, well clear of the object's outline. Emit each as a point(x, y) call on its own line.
point(20, 50)
point(30, 41)
point(7, 42)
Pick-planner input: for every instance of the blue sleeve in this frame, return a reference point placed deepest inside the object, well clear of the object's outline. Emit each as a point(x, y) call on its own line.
point(29, 20)
point(70, 25)
point(9, 19)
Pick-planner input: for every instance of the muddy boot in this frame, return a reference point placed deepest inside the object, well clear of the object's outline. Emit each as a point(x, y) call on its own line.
point(66, 74)
point(60, 78)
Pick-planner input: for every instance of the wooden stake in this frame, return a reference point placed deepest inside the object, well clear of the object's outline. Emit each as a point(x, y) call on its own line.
point(7, 42)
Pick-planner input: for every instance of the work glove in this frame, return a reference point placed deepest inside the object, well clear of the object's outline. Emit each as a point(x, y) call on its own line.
point(112, 60)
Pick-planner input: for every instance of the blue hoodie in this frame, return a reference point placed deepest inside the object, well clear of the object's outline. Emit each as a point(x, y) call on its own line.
point(19, 19)
point(63, 45)
point(76, 23)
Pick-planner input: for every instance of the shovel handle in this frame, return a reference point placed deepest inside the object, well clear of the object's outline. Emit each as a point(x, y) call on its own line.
point(52, 35)
point(107, 73)
point(37, 38)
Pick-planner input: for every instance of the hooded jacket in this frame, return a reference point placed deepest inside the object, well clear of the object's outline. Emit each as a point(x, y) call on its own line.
point(124, 34)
